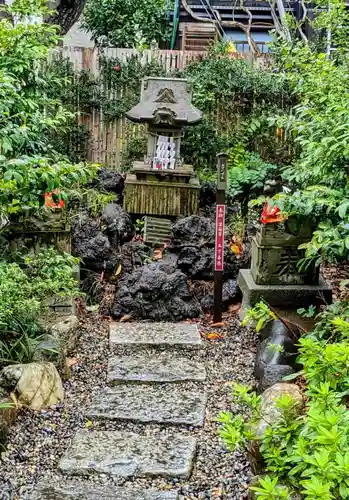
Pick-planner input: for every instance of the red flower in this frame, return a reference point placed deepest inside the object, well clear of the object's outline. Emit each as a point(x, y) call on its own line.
point(49, 203)
point(117, 67)
point(270, 214)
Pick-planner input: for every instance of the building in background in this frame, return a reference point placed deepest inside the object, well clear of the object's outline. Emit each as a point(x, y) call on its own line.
point(195, 33)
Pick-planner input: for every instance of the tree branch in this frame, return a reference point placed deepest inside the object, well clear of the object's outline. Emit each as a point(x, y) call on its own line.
point(229, 24)
point(302, 21)
point(276, 21)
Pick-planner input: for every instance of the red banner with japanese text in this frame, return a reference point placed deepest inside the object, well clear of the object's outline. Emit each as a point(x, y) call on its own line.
point(219, 254)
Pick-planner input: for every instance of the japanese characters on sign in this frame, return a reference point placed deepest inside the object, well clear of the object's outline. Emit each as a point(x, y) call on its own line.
point(222, 172)
point(219, 255)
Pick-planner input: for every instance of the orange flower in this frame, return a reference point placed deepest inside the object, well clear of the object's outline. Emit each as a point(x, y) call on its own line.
point(270, 214)
point(49, 203)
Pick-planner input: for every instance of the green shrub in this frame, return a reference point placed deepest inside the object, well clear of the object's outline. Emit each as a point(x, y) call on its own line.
point(31, 114)
point(246, 180)
point(116, 23)
point(17, 297)
point(25, 287)
point(307, 454)
point(26, 349)
point(319, 124)
point(220, 80)
point(202, 143)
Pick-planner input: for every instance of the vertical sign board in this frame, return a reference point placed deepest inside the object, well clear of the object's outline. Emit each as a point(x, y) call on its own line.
point(222, 160)
point(219, 258)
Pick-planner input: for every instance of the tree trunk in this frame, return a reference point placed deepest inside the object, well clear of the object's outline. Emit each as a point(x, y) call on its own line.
point(67, 14)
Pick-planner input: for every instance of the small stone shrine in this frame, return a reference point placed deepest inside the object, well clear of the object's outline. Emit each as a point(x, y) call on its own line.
point(162, 185)
point(274, 275)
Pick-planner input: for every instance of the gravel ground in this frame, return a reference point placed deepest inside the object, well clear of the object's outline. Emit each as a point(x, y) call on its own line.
point(38, 440)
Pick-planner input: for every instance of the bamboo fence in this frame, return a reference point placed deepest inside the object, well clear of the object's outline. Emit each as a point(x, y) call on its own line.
point(108, 139)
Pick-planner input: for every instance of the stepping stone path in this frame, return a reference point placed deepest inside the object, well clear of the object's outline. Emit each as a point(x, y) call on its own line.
point(158, 367)
point(146, 372)
point(72, 490)
point(180, 335)
point(149, 404)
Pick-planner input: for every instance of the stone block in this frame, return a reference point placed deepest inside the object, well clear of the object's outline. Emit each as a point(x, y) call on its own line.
point(288, 233)
point(292, 296)
point(62, 306)
point(159, 367)
point(277, 265)
point(60, 340)
point(126, 454)
point(276, 354)
point(273, 374)
point(146, 403)
point(271, 415)
point(77, 490)
point(64, 330)
point(181, 335)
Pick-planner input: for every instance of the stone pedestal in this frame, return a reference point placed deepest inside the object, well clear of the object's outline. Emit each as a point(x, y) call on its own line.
point(165, 193)
point(286, 296)
point(36, 234)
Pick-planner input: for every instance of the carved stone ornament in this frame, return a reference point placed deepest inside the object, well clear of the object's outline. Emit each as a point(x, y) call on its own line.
point(166, 95)
point(164, 116)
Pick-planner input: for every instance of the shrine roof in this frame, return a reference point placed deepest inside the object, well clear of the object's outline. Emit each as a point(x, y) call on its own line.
point(165, 101)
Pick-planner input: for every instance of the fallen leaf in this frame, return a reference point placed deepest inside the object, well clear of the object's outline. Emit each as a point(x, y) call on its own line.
point(218, 325)
point(118, 271)
point(88, 424)
point(236, 249)
point(126, 318)
point(215, 336)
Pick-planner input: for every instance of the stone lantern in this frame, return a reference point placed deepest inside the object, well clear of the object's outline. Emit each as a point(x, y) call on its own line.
point(162, 185)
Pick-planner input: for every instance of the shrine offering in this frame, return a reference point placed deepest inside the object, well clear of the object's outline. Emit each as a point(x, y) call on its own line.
point(165, 156)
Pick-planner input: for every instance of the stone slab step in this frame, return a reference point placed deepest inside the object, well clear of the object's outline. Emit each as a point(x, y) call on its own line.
point(162, 366)
point(181, 335)
point(126, 454)
point(147, 403)
point(76, 490)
